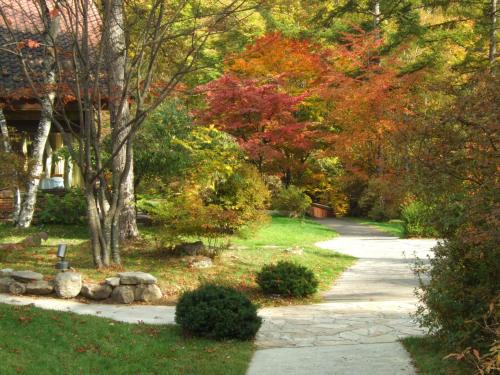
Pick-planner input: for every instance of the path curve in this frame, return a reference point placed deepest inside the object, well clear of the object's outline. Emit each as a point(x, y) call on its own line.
point(358, 327)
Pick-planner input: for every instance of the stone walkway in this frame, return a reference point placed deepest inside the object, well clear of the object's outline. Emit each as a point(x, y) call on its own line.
point(356, 330)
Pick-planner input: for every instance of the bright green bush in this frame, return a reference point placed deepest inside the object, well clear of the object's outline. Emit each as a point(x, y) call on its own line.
point(287, 279)
point(213, 213)
point(217, 312)
point(293, 201)
point(70, 209)
point(417, 220)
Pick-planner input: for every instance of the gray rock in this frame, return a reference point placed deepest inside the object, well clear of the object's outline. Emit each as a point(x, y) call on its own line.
point(5, 283)
point(123, 294)
point(40, 287)
point(203, 262)
point(96, 291)
point(148, 293)
point(68, 284)
point(17, 288)
point(113, 281)
point(26, 276)
point(191, 248)
point(6, 272)
point(135, 278)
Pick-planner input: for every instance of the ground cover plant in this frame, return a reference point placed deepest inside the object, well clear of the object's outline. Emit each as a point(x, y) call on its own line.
point(35, 341)
point(235, 267)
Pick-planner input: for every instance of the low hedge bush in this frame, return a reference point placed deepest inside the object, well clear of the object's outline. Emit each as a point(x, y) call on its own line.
point(287, 279)
point(217, 312)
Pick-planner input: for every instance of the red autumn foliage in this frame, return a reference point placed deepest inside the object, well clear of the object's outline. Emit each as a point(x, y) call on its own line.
point(261, 117)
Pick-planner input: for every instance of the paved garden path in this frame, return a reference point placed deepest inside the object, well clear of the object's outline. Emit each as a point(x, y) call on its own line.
point(356, 330)
point(122, 313)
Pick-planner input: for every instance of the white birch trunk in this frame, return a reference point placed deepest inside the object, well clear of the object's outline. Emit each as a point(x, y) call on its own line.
point(493, 35)
point(28, 206)
point(36, 170)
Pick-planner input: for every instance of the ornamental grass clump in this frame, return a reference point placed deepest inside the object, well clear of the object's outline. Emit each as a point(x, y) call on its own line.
point(217, 312)
point(287, 279)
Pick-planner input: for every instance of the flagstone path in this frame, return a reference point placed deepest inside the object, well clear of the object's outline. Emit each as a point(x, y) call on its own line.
point(356, 330)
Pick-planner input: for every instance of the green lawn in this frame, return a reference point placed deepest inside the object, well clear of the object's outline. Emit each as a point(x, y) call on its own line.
point(38, 342)
point(235, 267)
point(428, 354)
point(394, 227)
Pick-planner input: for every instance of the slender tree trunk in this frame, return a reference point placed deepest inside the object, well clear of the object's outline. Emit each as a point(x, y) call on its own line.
point(68, 172)
point(48, 160)
point(28, 206)
point(94, 228)
point(376, 16)
point(493, 35)
point(4, 131)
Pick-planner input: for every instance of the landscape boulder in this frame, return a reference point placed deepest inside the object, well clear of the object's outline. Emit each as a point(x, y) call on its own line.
point(5, 283)
point(191, 248)
point(148, 293)
point(17, 288)
point(113, 281)
point(200, 262)
point(39, 287)
point(123, 294)
point(96, 291)
point(68, 284)
point(26, 276)
point(6, 272)
point(136, 278)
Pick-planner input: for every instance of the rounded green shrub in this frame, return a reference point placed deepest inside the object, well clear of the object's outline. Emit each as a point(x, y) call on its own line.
point(292, 201)
point(217, 312)
point(287, 279)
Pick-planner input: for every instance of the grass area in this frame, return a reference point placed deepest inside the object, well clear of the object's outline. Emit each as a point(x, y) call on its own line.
point(35, 341)
point(394, 227)
point(428, 353)
point(236, 266)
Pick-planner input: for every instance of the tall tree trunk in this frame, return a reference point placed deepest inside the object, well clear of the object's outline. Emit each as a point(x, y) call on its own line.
point(493, 34)
point(123, 178)
point(35, 173)
point(50, 35)
point(4, 131)
point(376, 16)
point(128, 215)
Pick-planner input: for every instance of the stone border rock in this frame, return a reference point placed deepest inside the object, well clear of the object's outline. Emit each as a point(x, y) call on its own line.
point(125, 288)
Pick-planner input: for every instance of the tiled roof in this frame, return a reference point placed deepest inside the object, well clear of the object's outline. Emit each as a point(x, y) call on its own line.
point(24, 22)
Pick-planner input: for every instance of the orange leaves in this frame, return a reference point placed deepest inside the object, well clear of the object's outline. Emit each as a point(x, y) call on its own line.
point(298, 64)
point(30, 43)
point(54, 12)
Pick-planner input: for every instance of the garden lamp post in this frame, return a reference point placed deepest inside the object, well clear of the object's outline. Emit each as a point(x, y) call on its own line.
point(62, 264)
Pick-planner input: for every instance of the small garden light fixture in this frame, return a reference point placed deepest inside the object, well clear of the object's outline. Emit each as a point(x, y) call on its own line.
point(62, 264)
